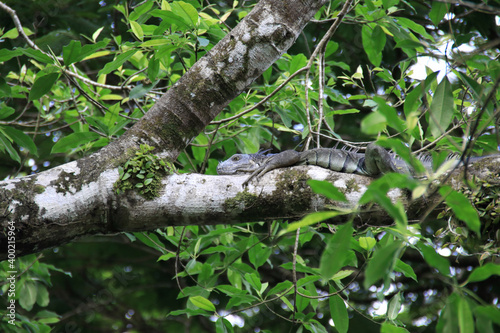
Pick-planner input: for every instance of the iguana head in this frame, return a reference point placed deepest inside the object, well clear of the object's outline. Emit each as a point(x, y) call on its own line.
point(241, 163)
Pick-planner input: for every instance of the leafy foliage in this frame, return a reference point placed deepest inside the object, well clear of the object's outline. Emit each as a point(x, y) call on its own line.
point(143, 172)
point(83, 87)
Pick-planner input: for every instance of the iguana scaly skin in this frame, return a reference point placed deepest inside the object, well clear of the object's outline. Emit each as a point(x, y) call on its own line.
point(373, 163)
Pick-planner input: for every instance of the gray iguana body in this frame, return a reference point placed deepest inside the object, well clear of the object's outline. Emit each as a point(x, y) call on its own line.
point(373, 163)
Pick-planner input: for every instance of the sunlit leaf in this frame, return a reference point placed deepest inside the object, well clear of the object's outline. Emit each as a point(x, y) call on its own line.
point(367, 243)
point(137, 30)
point(327, 189)
point(186, 11)
point(312, 218)
point(202, 303)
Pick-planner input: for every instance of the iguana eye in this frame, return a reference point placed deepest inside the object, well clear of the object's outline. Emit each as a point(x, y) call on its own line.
point(236, 158)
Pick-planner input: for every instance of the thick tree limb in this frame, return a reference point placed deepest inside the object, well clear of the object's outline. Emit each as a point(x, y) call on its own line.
point(194, 199)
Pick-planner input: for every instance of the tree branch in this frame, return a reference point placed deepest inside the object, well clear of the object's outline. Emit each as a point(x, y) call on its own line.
point(195, 199)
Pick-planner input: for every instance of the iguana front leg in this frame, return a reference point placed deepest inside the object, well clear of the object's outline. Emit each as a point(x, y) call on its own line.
point(378, 161)
point(282, 160)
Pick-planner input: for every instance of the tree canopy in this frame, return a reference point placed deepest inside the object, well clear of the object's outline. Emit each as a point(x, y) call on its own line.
point(121, 94)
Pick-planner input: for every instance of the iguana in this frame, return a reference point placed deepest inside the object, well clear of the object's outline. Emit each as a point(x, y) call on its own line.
point(373, 163)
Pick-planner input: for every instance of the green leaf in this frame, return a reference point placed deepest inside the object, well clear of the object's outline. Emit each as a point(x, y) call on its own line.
point(382, 263)
point(237, 300)
point(298, 61)
point(465, 318)
point(309, 219)
point(336, 252)
point(367, 243)
point(462, 208)
point(419, 29)
point(153, 68)
point(6, 55)
point(413, 100)
point(280, 287)
point(48, 317)
point(37, 55)
point(71, 52)
point(434, 259)
point(202, 303)
point(438, 10)
point(406, 269)
point(259, 254)
point(394, 307)
point(140, 90)
point(490, 312)
point(374, 123)
point(137, 30)
point(373, 39)
point(27, 295)
point(377, 192)
point(327, 189)
point(390, 114)
point(151, 240)
point(185, 10)
point(96, 34)
point(6, 145)
point(42, 296)
point(302, 302)
point(390, 328)
point(6, 111)
point(74, 52)
point(42, 85)
point(442, 108)
point(230, 290)
point(20, 139)
point(484, 272)
point(140, 10)
point(74, 140)
point(254, 281)
point(338, 311)
point(478, 90)
point(222, 325)
point(170, 17)
point(111, 66)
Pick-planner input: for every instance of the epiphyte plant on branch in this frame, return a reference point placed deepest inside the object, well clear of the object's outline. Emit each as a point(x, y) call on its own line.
point(86, 91)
